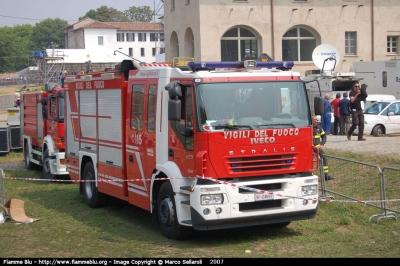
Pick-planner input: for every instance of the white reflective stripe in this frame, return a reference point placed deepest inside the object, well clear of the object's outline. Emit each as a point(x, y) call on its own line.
point(140, 192)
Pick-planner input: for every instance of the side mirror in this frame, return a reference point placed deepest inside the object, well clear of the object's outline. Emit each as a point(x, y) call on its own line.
point(390, 113)
point(318, 105)
point(174, 104)
point(174, 110)
point(44, 112)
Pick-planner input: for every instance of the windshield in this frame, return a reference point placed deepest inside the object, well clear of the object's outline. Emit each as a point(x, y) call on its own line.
point(375, 108)
point(226, 106)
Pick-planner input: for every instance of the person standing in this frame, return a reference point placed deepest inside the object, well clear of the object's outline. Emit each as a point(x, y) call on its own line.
point(319, 140)
point(344, 114)
point(326, 119)
point(336, 121)
point(357, 114)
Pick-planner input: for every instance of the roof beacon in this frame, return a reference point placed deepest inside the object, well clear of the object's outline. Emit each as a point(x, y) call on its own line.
point(248, 64)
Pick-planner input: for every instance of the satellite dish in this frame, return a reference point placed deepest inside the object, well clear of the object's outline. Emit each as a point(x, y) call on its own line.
point(326, 57)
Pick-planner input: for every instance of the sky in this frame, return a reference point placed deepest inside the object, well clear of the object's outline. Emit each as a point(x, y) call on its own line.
point(19, 12)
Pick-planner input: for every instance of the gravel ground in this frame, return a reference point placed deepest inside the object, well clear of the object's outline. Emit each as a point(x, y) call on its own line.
point(388, 145)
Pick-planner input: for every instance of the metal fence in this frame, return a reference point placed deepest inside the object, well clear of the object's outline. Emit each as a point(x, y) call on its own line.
point(6, 101)
point(363, 182)
point(2, 190)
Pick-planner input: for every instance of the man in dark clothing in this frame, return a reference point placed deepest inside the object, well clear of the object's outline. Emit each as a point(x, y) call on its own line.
point(344, 114)
point(319, 138)
point(357, 114)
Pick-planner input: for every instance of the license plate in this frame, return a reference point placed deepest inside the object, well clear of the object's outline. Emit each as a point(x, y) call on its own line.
point(259, 197)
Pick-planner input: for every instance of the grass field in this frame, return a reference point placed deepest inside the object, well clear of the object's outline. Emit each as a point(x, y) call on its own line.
point(69, 228)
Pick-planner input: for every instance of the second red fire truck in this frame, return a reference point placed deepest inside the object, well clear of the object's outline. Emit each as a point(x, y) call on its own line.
point(42, 129)
point(216, 145)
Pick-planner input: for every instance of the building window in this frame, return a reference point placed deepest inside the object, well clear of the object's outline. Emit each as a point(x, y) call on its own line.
point(153, 37)
point(239, 44)
point(153, 51)
point(120, 37)
point(177, 48)
point(142, 37)
point(187, 2)
point(298, 45)
point(130, 37)
point(161, 36)
point(100, 40)
point(130, 51)
point(392, 44)
point(350, 43)
point(142, 52)
point(162, 50)
point(172, 4)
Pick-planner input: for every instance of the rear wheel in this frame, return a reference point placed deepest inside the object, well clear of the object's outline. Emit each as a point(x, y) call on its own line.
point(46, 166)
point(377, 131)
point(28, 164)
point(167, 216)
point(94, 198)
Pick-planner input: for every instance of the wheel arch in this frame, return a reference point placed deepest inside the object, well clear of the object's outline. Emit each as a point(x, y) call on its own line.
point(83, 161)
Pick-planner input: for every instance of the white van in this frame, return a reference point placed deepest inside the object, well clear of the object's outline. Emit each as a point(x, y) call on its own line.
point(371, 98)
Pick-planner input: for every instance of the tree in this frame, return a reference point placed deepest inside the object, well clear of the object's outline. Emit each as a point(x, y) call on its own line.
point(109, 14)
point(47, 32)
point(90, 14)
point(139, 14)
point(14, 47)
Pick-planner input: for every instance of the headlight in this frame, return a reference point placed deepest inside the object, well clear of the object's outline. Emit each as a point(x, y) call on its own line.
point(211, 199)
point(309, 190)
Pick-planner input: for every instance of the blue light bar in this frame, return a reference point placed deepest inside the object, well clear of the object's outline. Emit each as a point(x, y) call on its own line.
point(239, 64)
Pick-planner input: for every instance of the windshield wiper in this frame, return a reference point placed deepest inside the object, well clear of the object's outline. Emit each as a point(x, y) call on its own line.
point(228, 126)
point(277, 125)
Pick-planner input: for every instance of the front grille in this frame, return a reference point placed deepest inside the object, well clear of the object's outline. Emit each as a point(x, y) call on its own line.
point(260, 163)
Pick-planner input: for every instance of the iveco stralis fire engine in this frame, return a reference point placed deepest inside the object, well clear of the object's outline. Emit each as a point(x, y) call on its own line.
point(216, 145)
point(42, 127)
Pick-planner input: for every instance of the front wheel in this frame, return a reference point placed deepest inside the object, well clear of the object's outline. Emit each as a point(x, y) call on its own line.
point(94, 198)
point(377, 131)
point(28, 164)
point(46, 166)
point(167, 217)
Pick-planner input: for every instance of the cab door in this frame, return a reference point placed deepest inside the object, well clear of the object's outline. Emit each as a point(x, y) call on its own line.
point(141, 141)
point(181, 138)
point(393, 120)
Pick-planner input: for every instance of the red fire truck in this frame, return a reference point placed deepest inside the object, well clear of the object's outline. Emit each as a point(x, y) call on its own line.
point(208, 147)
point(42, 127)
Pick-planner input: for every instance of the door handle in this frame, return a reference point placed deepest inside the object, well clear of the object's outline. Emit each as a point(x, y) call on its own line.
point(131, 158)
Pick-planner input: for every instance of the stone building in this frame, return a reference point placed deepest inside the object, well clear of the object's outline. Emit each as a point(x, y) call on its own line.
point(230, 30)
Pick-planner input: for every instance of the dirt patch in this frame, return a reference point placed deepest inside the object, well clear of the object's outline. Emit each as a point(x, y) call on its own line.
point(9, 90)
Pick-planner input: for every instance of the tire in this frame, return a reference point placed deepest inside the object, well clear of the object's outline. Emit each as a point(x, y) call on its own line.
point(167, 217)
point(94, 199)
point(46, 166)
point(28, 164)
point(377, 131)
